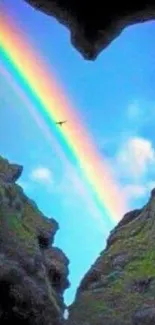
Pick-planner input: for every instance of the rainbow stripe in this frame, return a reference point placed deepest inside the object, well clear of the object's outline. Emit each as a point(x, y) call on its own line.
point(94, 210)
point(51, 104)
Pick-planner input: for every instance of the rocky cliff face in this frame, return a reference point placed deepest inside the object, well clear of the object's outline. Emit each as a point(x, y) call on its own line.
point(119, 289)
point(33, 273)
point(94, 25)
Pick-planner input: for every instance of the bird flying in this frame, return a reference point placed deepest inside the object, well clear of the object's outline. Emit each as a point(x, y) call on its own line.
point(61, 122)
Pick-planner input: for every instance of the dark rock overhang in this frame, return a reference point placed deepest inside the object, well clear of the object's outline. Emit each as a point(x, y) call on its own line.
point(95, 25)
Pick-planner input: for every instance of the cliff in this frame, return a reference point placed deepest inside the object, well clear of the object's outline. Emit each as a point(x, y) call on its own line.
point(119, 289)
point(94, 25)
point(33, 273)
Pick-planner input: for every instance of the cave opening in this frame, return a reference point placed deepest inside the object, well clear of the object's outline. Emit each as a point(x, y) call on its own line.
point(55, 278)
point(43, 241)
point(115, 97)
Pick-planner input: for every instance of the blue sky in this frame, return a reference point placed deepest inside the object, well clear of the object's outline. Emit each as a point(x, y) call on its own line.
point(115, 95)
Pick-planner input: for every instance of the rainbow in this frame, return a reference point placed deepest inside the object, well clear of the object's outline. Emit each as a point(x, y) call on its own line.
point(95, 212)
point(40, 85)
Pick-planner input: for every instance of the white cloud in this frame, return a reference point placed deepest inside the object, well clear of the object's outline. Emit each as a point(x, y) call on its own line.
point(135, 191)
point(138, 191)
point(42, 175)
point(136, 156)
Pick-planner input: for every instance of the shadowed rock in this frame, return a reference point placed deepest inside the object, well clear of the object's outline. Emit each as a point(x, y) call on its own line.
point(9, 173)
point(119, 287)
point(29, 295)
point(144, 316)
point(94, 25)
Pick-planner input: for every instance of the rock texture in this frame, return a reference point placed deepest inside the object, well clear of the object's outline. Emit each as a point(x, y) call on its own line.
point(94, 25)
point(33, 274)
point(119, 289)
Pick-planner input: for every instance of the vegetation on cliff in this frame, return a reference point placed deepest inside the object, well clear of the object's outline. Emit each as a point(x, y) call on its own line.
point(33, 274)
point(119, 289)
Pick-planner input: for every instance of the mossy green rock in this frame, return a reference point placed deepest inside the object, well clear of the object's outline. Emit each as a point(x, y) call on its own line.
point(119, 289)
point(33, 274)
